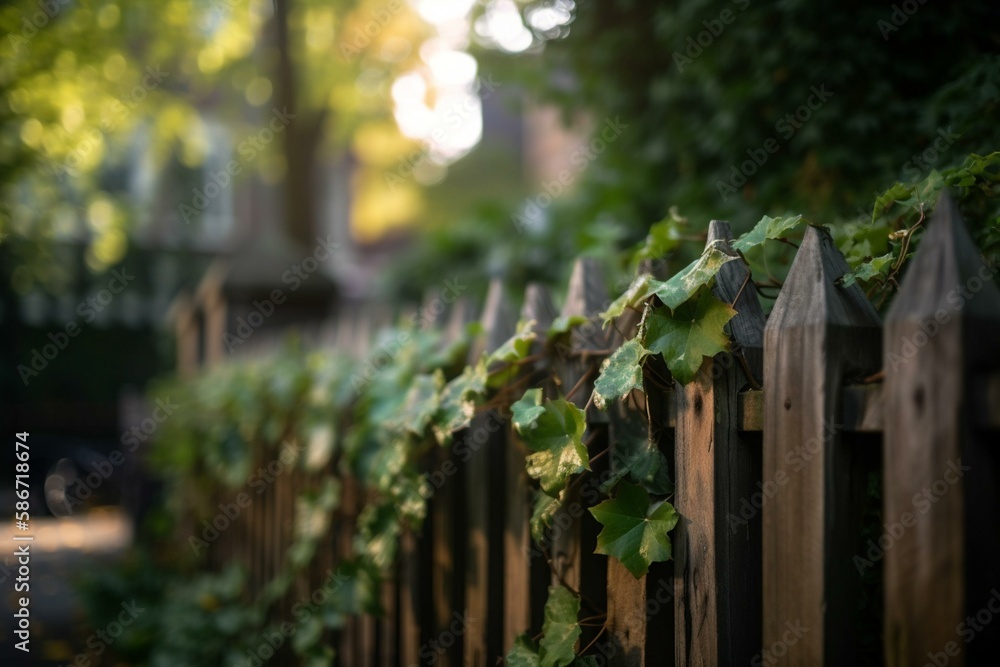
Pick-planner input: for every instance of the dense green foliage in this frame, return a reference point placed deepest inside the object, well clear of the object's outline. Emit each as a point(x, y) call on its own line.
point(711, 128)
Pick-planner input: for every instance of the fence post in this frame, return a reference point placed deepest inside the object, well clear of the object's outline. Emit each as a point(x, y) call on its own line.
point(448, 525)
point(942, 475)
point(484, 507)
point(523, 590)
point(716, 551)
point(819, 336)
point(572, 549)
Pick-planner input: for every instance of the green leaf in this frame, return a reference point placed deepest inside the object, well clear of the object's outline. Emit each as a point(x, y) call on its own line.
point(523, 654)
point(635, 530)
point(458, 401)
point(640, 290)
point(564, 324)
point(870, 269)
point(694, 276)
point(634, 456)
point(620, 373)
point(421, 403)
point(767, 228)
point(541, 517)
point(554, 432)
point(885, 201)
point(696, 330)
point(516, 347)
point(561, 629)
point(377, 537)
point(664, 236)
point(526, 411)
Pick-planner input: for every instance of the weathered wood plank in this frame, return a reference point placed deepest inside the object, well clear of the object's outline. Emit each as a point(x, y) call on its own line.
point(628, 632)
point(819, 336)
point(411, 613)
point(942, 475)
point(717, 567)
point(572, 548)
point(520, 587)
point(448, 522)
point(484, 506)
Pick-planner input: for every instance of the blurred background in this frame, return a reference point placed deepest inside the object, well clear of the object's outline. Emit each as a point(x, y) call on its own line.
point(183, 182)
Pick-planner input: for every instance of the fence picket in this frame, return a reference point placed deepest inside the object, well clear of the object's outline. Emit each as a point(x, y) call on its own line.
point(717, 568)
point(484, 506)
point(819, 336)
point(942, 566)
point(523, 592)
point(572, 548)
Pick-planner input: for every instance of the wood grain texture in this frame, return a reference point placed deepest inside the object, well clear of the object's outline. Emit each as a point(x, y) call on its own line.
point(572, 548)
point(411, 605)
point(940, 471)
point(521, 587)
point(819, 336)
point(717, 566)
point(485, 441)
point(628, 630)
point(448, 528)
point(586, 296)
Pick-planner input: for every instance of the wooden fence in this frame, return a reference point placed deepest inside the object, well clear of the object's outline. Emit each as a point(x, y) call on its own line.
point(837, 483)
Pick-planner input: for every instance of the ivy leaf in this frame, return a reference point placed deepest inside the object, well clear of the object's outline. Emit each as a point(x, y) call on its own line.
point(563, 324)
point(767, 228)
point(560, 630)
point(664, 236)
point(458, 401)
point(898, 193)
point(516, 347)
point(421, 403)
point(640, 290)
point(377, 537)
point(526, 411)
point(870, 269)
point(638, 459)
point(554, 432)
point(635, 530)
point(695, 331)
point(502, 362)
point(620, 373)
point(541, 517)
point(523, 654)
point(354, 590)
point(694, 276)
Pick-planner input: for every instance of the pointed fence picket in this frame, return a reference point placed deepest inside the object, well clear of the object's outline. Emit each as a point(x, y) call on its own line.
point(801, 477)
